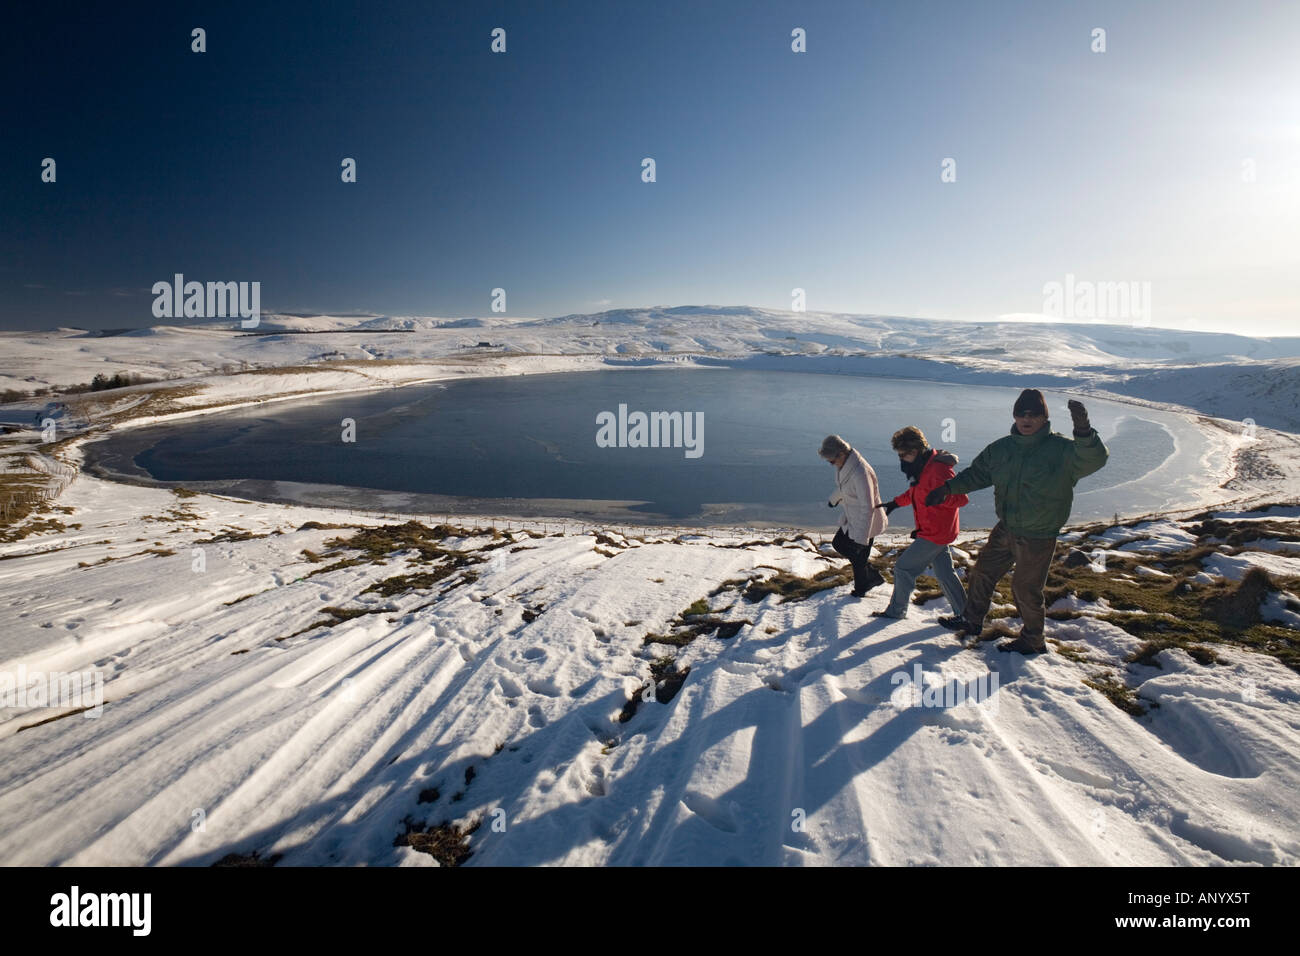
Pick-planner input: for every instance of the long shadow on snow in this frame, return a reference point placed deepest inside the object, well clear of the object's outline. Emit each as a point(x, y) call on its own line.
point(825, 773)
point(559, 743)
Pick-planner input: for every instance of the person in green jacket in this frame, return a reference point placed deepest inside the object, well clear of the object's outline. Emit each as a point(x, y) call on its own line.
point(1033, 472)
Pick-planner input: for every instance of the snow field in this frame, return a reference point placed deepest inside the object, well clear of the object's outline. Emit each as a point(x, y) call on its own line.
point(786, 744)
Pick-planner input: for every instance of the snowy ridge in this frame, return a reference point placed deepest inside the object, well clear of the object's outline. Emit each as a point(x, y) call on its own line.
point(1159, 365)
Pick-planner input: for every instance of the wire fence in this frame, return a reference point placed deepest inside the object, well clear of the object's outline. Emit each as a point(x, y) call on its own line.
point(54, 478)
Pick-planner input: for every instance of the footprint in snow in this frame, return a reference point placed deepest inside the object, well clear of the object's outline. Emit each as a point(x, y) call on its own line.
point(545, 686)
point(509, 665)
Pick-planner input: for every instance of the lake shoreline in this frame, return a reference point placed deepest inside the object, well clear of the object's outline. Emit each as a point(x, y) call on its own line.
point(590, 510)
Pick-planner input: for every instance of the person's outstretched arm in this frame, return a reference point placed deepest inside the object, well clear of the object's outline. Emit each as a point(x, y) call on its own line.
point(1089, 453)
point(945, 475)
point(978, 475)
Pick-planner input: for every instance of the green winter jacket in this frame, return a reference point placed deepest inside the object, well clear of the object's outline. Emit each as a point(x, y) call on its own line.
point(1033, 477)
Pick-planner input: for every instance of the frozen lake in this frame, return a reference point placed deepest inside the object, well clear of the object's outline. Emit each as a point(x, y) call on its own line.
point(527, 445)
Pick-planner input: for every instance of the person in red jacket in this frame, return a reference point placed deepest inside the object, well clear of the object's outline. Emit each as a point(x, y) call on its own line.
point(936, 525)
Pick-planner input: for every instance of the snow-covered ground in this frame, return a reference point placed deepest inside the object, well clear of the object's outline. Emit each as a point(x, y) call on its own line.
point(794, 741)
point(256, 703)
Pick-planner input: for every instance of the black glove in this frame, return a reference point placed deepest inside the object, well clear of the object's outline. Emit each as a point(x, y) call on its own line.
point(1080, 415)
point(830, 505)
point(914, 531)
point(889, 507)
point(937, 496)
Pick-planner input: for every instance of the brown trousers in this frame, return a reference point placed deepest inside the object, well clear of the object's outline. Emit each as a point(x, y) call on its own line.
point(1032, 558)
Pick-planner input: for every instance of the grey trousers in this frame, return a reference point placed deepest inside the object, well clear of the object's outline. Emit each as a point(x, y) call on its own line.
point(918, 556)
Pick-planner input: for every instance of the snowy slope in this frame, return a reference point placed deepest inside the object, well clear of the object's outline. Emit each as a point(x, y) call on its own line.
point(496, 700)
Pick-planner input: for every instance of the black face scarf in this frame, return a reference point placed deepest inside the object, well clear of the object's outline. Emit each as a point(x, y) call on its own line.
point(914, 468)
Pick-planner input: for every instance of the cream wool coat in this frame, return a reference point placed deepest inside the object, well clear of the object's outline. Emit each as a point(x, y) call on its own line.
point(856, 489)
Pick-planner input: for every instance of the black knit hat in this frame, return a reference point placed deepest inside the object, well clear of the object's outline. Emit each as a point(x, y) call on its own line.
point(1031, 400)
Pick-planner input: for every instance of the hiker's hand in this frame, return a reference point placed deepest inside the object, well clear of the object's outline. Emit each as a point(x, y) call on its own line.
point(889, 507)
point(1080, 415)
point(830, 504)
point(937, 496)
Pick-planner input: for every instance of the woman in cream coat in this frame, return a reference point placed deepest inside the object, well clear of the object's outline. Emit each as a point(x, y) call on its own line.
point(859, 494)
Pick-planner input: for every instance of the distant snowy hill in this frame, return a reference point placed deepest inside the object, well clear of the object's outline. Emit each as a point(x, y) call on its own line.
point(1253, 377)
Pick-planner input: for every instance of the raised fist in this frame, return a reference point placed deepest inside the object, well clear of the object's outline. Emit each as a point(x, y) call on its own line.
point(1080, 415)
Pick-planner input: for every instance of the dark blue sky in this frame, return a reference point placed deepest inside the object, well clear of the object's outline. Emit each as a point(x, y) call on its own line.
point(775, 170)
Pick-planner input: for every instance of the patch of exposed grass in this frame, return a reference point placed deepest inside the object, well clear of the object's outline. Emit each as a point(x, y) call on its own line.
point(699, 620)
point(32, 527)
point(792, 587)
point(346, 614)
point(337, 616)
point(682, 635)
point(927, 589)
point(423, 580)
point(761, 542)
point(1069, 651)
point(1118, 693)
point(1224, 613)
point(321, 526)
point(665, 679)
point(231, 534)
point(178, 515)
point(1238, 533)
point(339, 565)
point(381, 541)
point(731, 584)
point(997, 631)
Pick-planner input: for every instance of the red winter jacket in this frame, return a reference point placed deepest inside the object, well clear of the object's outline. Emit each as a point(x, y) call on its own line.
point(939, 524)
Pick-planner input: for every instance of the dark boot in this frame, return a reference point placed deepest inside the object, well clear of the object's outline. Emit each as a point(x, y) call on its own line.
point(962, 629)
point(1024, 645)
